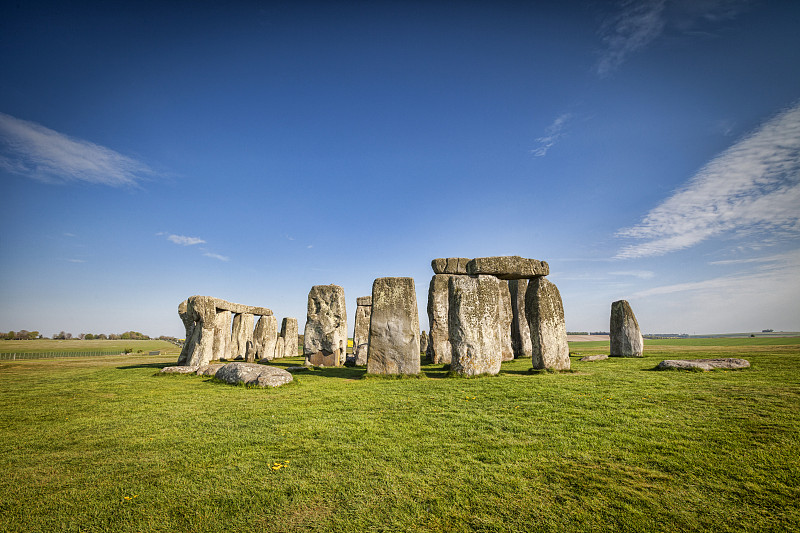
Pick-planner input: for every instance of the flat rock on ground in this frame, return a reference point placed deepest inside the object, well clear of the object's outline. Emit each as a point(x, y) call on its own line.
point(253, 374)
point(703, 364)
point(179, 370)
point(209, 370)
point(590, 358)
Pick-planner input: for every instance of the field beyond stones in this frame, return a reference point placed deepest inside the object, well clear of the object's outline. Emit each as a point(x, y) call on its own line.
point(108, 444)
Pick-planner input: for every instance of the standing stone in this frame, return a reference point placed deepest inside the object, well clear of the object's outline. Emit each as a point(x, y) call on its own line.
point(325, 336)
point(439, 349)
point(250, 352)
point(474, 333)
point(504, 318)
point(242, 332)
point(289, 335)
point(545, 313)
point(279, 348)
point(361, 330)
point(520, 332)
point(222, 335)
point(423, 342)
point(265, 335)
point(393, 328)
point(201, 310)
point(188, 324)
point(626, 337)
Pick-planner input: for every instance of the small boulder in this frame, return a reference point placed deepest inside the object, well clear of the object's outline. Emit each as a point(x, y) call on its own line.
point(590, 358)
point(703, 364)
point(253, 374)
point(179, 370)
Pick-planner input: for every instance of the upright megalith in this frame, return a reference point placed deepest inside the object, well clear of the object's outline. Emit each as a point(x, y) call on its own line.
point(265, 335)
point(325, 336)
point(439, 349)
point(201, 310)
point(242, 334)
point(545, 313)
point(520, 332)
point(188, 324)
point(626, 337)
point(222, 334)
point(279, 347)
point(393, 328)
point(474, 334)
point(361, 330)
point(289, 336)
point(423, 342)
point(504, 318)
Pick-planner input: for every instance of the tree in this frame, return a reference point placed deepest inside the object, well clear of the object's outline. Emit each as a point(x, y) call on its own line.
point(10, 335)
point(33, 335)
point(89, 336)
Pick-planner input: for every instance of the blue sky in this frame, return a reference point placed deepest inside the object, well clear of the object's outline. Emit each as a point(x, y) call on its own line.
point(647, 150)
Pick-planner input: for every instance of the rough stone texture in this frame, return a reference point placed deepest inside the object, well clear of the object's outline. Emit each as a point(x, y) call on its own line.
point(265, 335)
point(209, 370)
point(201, 310)
point(241, 334)
point(188, 324)
point(474, 333)
point(180, 369)
point(361, 329)
point(290, 336)
point(253, 374)
point(520, 332)
point(279, 348)
point(423, 342)
point(703, 364)
point(508, 267)
point(222, 335)
point(450, 265)
point(393, 328)
point(360, 354)
point(250, 353)
point(240, 309)
point(504, 318)
point(590, 358)
point(545, 313)
point(439, 349)
point(325, 336)
point(625, 335)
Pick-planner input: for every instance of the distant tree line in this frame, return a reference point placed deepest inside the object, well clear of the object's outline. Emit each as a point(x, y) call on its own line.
point(22, 335)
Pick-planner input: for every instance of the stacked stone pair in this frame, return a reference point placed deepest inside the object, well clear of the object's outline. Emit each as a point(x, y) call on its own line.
point(488, 310)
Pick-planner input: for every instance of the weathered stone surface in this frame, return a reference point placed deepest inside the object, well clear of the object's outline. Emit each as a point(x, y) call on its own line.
point(253, 374)
point(279, 347)
point(545, 313)
point(361, 329)
point(703, 364)
point(450, 265)
point(209, 370)
point(188, 324)
point(222, 335)
point(504, 319)
point(520, 332)
point(423, 342)
point(508, 267)
point(474, 333)
point(360, 354)
point(591, 358)
point(325, 336)
point(250, 354)
point(240, 309)
point(290, 336)
point(201, 310)
point(180, 369)
point(439, 349)
point(393, 328)
point(265, 335)
point(241, 334)
point(625, 335)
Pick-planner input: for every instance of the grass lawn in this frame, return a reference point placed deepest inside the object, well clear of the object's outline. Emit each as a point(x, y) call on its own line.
point(106, 444)
point(77, 345)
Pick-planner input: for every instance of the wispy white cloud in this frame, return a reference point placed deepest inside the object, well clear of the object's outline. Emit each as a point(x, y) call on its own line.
point(183, 240)
point(76, 260)
point(217, 256)
point(752, 187)
point(641, 274)
point(37, 152)
point(553, 133)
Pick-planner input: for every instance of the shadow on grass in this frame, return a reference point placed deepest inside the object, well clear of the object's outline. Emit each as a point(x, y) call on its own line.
point(146, 365)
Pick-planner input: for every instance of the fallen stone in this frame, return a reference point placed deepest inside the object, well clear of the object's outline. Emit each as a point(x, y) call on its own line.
point(180, 369)
point(703, 364)
point(209, 370)
point(265, 336)
point(439, 349)
point(545, 312)
point(504, 319)
point(474, 333)
point(361, 329)
point(393, 328)
point(325, 336)
point(625, 335)
point(508, 267)
point(520, 332)
point(290, 336)
point(294, 369)
point(253, 374)
point(590, 358)
point(450, 265)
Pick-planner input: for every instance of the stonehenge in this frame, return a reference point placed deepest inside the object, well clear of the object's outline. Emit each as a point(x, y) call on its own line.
point(473, 325)
point(520, 332)
point(545, 313)
point(217, 329)
point(361, 330)
point(290, 336)
point(439, 349)
point(625, 335)
point(393, 328)
point(325, 337)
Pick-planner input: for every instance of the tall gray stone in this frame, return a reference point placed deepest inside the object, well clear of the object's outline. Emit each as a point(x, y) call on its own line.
point(201, 310)
point(188, 324)
point(473, 325)
point(439, 349)
point(508, 267)
point(450, 265)
point(393, 328)
point(520, 332)
point(504, 319)
point(279, 347)
point(265, 335)
point(290, 337)
point(325, 336)
point(361, 329)
point(545, 312)
point(423, 342)
point(625, 335)
point(222, 334)
point(241, 333)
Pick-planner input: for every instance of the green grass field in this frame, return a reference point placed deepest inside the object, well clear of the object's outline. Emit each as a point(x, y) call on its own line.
point(44, 346)
point(107, 444)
